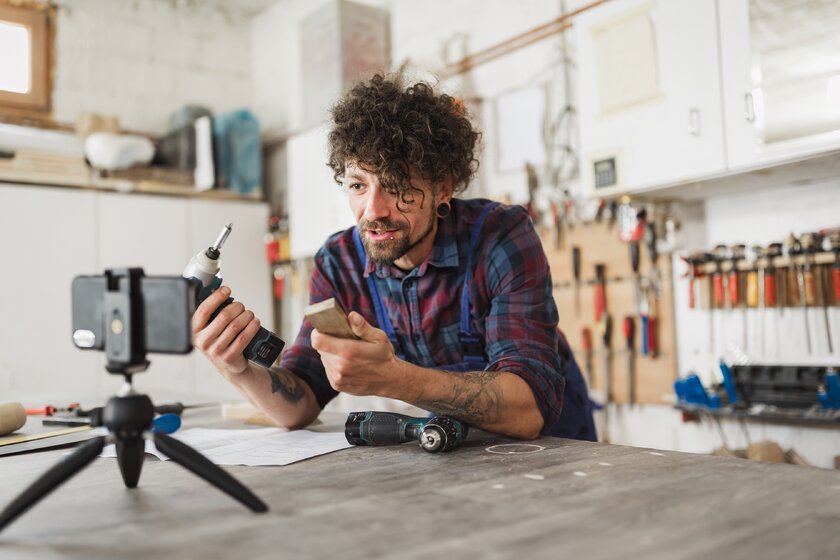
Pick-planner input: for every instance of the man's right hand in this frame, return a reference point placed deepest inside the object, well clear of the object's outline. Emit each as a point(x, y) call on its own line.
point(223, 340)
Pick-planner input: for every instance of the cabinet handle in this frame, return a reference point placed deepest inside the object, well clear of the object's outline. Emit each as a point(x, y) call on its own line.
point(749, 107)
point(694, 122)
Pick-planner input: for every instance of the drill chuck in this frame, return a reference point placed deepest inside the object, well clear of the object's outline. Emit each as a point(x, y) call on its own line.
point(442, 433)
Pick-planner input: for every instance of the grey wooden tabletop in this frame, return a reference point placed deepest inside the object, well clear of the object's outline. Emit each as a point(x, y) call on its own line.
point(551, 498)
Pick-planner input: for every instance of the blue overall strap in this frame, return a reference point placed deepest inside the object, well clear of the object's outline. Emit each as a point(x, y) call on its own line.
point(471, 343)
point(381, 314)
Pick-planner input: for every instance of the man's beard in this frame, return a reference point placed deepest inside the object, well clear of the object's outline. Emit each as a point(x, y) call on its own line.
point(389, 250)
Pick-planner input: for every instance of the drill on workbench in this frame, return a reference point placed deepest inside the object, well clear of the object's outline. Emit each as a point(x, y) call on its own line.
point(204, 268)
point(439, 433)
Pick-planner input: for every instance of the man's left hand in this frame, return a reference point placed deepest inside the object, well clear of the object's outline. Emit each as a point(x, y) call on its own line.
point(359, 367)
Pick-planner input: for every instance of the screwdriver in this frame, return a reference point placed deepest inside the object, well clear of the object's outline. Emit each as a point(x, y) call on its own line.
point(600, 291)
point(634, 264)
point(606, 338)
point(629, 338)
point(819, 292)
point(653, 253)
point(49, 410)
point(649, 343)
point(576, 272)
point(720, 253)
point(793, 247)
point(773, 296)
point(587, 352)
point(834, 245)
point(737, 252)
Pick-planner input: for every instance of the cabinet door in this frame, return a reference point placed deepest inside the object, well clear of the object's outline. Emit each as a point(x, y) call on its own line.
point(48, 239)
point(244, 268)
point(781, 80)
point(649, 94)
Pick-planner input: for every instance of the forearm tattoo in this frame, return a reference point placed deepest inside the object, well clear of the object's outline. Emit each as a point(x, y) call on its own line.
point(286, 384)
point(474, 399)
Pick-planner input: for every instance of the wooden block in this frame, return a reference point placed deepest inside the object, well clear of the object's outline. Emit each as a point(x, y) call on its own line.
point(766, 451)
point(238, 411)
point(794, 458)
point(328, 317)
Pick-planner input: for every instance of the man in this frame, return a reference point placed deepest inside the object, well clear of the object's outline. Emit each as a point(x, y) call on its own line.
point(451, 299)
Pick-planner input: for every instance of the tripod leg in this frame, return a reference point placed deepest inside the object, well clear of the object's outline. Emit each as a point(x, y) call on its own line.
point(50, 480)
point(130, 455)
point(194, 461)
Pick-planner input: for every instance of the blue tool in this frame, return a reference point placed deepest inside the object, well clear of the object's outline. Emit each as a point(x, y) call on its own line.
point(690, 391)
point(729, 383)
point(166, 424)
point(829, 396)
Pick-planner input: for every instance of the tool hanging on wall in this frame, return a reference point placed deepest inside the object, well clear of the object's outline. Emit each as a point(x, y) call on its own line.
point(773, 293)
point(649, 326)
point(637, 278)
point(736, 253)
point(803, 271)
point(814, 278)
point(833, 241)
point(600, 291)
point(755, 292)
point(630, 340)
point(576, 272)
point(791, 248)
point(586, 335)
point(606, 340)
point(653, 253)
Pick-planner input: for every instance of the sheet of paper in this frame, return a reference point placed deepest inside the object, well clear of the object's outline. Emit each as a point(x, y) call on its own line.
point(259, 447)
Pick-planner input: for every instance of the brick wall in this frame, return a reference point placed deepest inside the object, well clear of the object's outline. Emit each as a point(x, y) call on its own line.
point(143, 59)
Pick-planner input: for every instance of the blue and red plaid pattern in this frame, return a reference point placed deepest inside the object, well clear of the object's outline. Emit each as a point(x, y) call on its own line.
point(512, 306)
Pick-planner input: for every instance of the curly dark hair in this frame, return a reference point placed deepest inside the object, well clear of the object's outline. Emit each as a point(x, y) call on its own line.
point(387, 129)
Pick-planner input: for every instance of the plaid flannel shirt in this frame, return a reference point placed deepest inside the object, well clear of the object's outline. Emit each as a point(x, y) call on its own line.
point(512, 306)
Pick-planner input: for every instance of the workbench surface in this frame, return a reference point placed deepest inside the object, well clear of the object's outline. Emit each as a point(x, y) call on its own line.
point(551, 498)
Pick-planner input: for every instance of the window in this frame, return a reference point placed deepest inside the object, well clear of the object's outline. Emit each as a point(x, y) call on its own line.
point(24, 59)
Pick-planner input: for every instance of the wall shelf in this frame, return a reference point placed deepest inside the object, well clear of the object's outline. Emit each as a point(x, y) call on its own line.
point(814, 417)
point(14, 177)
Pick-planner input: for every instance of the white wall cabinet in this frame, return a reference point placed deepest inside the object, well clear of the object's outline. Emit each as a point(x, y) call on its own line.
point(52, 235)
point(649, 94)
point(778, 61)
point(677, 91)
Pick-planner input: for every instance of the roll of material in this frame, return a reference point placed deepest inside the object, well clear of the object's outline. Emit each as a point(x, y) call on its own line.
point(12, 417)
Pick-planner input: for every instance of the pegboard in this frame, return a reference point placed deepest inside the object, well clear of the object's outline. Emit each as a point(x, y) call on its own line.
point(599, 244)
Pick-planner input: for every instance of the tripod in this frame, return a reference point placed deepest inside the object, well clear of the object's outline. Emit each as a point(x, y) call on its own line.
point(119, 296)
point(128, 417)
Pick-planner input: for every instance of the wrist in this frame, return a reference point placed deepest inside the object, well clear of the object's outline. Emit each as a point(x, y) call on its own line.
point(407, 382)
point(237, 378)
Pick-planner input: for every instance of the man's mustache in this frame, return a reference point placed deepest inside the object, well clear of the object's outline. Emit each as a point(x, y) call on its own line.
point(381, 225)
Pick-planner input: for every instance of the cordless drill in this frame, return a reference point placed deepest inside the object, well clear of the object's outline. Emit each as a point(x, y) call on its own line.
point(439, 433)
point(204, 268)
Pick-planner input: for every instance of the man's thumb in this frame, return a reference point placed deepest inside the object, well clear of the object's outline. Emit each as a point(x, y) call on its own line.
point(360, 327)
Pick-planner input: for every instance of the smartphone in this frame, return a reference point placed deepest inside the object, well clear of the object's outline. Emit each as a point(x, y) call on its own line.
point(168, 303)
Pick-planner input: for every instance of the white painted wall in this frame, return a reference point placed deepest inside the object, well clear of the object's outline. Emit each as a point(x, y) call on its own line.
point(276, 65)
point(144, 59)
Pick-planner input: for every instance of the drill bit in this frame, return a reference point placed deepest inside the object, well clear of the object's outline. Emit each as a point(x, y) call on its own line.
point(222, 237)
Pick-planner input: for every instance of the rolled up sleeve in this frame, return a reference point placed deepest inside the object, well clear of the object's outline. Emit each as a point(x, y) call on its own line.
point(522, 336)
